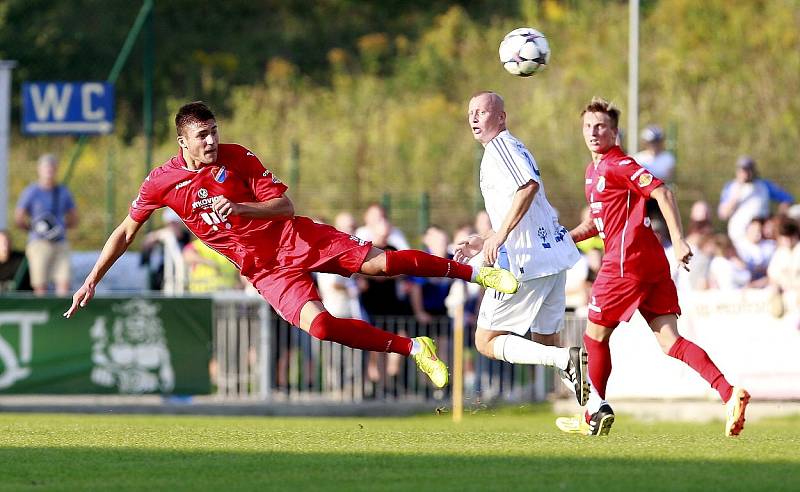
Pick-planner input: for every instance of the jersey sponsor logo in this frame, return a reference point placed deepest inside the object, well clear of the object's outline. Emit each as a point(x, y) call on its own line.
point(357, 239)
point(221, 175)
point(601, 183)
point(645, 179)
point(202, 193)
point(182, 184)
point(204, 203)
point(274, 178)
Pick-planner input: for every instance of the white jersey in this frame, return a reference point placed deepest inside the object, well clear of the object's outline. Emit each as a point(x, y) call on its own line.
point(538, 246)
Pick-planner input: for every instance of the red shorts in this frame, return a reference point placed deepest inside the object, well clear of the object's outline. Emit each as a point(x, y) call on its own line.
point(615, 299)
point(313, 248)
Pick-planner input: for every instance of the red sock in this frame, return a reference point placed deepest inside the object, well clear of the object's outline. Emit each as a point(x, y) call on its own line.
point(698, 359)
point(358, 334)
point(422, 264)
point(599, 363)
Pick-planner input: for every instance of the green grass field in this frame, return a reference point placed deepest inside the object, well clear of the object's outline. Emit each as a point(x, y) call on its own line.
point(510, 449)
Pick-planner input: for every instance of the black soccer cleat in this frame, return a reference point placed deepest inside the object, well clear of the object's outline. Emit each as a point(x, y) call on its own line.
point(601, 421)
point(577, 373)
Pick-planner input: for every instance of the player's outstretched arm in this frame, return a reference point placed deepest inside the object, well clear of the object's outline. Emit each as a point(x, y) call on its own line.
point(117, 243)
point(669, 209)
point(583, 231)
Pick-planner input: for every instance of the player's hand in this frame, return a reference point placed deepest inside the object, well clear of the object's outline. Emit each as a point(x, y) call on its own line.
point(81, 297)
point(468, 248)
point(491, 248)
point(224, 207)
point(683, 253)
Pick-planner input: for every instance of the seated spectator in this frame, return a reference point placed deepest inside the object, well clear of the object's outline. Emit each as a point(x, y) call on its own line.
point(162, 253)
point(427, 295)
point(755, 252)
point(748, 197)
point(727, 271)
point(340, 294)
point(784, 267)
point(373, 216)
point(208, 270)
point(482, 223)
point(655, 157)
point(14, 274)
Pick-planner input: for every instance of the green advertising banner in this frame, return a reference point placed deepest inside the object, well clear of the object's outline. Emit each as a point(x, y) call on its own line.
point(113, 345)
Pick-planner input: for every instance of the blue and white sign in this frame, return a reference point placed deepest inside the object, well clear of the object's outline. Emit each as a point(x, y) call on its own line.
point(67, 107)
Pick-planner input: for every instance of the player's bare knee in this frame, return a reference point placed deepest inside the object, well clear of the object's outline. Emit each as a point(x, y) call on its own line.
point(375, 263)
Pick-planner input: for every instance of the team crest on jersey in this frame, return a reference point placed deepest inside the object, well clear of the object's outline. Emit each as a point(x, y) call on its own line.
point(645, 179)
point(601, 183)
point(221, 175)
point(202, 193)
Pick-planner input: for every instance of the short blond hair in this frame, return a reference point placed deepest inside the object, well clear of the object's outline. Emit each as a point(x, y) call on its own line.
point(600, 105)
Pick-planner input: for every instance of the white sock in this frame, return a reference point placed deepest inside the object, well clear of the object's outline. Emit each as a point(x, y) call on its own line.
point(416, 347)
point(595, 402)
point(519, 350)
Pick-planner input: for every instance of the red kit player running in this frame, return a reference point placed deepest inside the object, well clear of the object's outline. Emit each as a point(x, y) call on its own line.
point(634, 273)
point(229, 201)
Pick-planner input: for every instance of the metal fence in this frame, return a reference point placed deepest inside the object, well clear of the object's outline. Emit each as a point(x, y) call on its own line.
point(258, 355)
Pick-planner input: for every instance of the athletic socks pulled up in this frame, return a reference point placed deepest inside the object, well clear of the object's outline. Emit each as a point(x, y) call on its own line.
point(599, 364)
point(697, 358)
point(519, 350)
point(422, 264)
point(358, 334)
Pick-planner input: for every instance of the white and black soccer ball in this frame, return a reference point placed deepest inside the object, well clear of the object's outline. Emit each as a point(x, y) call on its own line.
point(524, 51)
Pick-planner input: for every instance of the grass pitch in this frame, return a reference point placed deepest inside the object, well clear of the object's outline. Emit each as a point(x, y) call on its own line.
point(511, 449)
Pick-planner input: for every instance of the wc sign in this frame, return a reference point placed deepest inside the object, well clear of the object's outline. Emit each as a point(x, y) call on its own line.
point(67, 107)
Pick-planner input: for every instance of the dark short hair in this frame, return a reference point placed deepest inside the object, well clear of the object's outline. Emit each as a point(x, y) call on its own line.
point(600, 105)
point(193, 112)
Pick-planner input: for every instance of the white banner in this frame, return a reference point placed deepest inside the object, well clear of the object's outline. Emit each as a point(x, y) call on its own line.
point(751, 347)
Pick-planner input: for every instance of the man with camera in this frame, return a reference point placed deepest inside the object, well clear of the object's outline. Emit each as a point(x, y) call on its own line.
point(46, 210)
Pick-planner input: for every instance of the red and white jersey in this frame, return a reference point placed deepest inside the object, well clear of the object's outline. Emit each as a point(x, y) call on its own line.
point(617, 189)
point(250, 243)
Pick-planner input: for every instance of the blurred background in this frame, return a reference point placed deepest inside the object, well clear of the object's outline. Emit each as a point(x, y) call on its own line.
point(355, 103)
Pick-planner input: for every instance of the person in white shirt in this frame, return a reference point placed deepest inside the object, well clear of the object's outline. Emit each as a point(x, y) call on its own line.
point(527, 239)
point(655, 157)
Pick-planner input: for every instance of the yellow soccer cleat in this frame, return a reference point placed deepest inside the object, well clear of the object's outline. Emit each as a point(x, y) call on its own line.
point(573, 425)
point(734, 410)
point(498, 279)
point(430, 364)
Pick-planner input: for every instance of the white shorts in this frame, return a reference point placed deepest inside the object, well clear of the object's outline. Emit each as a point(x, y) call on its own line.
point(538, 306)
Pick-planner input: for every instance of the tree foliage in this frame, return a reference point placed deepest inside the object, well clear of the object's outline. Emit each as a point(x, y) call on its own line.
point(375, 94)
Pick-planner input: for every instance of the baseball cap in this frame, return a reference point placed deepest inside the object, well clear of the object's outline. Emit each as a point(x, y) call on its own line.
point(745, 162)
point(652, 133)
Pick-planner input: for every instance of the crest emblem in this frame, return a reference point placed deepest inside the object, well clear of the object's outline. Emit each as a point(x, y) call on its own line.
point(601, 183)
point(202, 193)
point(645, 179)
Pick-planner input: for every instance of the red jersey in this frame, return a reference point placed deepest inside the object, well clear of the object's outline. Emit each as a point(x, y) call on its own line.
point(617, 189)
point(252, 244)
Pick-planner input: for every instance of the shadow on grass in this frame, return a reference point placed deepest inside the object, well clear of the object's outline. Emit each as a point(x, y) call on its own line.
point(135, 469)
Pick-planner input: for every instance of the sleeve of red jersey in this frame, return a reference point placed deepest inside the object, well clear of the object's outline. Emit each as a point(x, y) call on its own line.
point(264, 184)
point(146, 201)
point(635, 177)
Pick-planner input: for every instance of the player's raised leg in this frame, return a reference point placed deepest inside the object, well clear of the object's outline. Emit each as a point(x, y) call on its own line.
point(359, 334)
point(665, 328)
point(421, 264)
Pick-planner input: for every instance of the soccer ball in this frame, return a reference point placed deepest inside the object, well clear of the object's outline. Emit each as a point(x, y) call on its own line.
point(524, 52)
